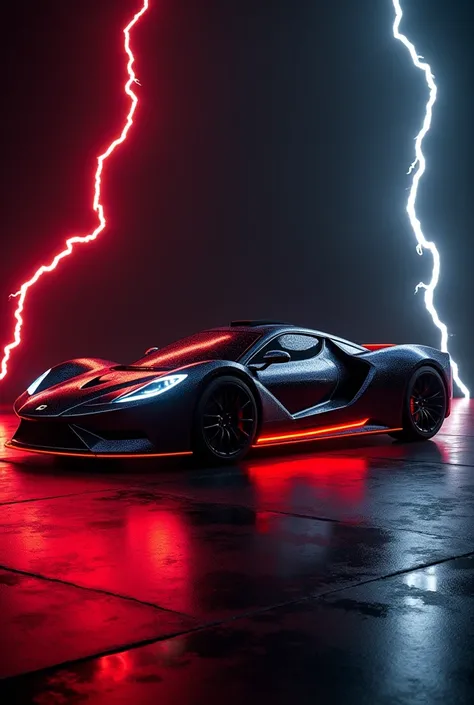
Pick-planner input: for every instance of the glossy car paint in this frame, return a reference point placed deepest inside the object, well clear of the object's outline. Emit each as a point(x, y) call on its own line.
point(331, 390)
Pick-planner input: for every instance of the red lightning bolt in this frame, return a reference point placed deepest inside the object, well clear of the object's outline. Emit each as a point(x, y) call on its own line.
point(22, 293)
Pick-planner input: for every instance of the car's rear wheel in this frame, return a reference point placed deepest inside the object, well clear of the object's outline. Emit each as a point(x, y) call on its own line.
point(226, 421)
point(424, 406)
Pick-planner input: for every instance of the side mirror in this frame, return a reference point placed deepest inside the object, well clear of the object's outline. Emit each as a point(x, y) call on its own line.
point(273, 357)
point(150, 351)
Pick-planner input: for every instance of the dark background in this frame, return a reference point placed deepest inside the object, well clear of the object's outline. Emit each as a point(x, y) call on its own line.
point(265, 175)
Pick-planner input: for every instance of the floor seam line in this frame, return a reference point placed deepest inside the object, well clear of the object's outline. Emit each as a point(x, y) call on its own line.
point(271, 510)
point(101, 591)
point(59, 496)
point(223, 622)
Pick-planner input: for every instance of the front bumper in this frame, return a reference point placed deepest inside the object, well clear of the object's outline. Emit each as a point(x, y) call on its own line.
point(94, 439)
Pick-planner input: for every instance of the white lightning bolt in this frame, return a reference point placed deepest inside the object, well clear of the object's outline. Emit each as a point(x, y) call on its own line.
point(419, 165)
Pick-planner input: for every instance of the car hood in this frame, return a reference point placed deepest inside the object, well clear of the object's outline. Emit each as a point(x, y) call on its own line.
point(87, 388)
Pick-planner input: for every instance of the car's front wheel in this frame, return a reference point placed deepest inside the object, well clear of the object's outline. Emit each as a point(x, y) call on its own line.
point(226, 421)
point(424, 406)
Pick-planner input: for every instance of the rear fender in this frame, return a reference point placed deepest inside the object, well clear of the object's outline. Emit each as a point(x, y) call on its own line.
point(397, 363)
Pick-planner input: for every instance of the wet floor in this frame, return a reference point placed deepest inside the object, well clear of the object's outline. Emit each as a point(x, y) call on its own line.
point(322, 574)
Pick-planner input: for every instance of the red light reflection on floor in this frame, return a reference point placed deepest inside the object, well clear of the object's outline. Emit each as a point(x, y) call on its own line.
point(114, 667)
point(158, 545)
point(342, 479)
point(7, 427)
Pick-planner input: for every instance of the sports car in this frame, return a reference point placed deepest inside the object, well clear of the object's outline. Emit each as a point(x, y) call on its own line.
point(221, 392)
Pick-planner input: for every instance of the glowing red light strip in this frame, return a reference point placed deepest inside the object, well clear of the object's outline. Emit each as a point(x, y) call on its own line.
point(378, 346)
point(70, 242)
point(191, 348)
point(378, 431)
point(310, 434)
point(71, 454)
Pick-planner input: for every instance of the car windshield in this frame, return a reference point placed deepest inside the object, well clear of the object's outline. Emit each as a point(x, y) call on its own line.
point(208, 345)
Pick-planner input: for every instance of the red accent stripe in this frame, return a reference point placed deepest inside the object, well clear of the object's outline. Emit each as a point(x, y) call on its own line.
point(313, 432)
point(378, 346)
point(379, 431)
point(14, 446)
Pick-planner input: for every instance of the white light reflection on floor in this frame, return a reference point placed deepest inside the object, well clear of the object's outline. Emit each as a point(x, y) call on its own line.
point(422, 579)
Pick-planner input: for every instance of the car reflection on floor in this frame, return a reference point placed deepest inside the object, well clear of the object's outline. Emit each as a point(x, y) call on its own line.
point(236, 570)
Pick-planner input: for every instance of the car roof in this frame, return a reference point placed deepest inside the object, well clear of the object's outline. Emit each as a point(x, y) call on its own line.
point(270, 328)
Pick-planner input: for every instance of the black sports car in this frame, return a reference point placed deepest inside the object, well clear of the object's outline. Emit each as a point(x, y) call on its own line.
point(221, 392)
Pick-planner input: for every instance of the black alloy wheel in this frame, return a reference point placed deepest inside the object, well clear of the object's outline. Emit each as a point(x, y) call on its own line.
point(226, 420)
point(425, 405)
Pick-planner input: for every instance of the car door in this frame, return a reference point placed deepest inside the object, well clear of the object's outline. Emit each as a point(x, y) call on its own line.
point(308, 379)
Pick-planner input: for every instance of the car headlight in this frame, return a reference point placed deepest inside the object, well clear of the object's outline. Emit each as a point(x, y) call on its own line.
point(34, 386)
point(152, 389)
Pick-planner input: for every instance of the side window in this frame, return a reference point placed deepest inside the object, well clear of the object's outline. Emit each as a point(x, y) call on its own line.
point(299, 346)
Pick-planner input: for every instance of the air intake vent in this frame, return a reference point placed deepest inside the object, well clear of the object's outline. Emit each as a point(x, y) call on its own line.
point(93, 383)
point(45, 434)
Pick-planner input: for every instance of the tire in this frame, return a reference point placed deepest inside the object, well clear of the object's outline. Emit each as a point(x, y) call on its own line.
point(225, 422)
point(424, 406)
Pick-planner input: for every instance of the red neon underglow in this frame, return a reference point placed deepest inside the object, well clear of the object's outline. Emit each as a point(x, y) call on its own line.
point(21, 294)
point(314, 432)
point(85, 454)
point(378, 346)
point(192, 348)
point(372, 432)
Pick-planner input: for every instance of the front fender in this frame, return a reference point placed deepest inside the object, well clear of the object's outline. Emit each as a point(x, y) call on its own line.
point(64, 371)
